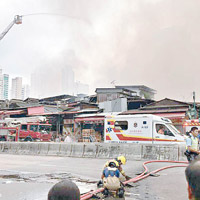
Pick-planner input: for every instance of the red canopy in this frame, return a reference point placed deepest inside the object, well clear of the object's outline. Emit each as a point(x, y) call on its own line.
point(89, 119)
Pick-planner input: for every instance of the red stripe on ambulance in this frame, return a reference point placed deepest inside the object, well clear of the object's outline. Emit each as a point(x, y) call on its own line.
point(124, 138)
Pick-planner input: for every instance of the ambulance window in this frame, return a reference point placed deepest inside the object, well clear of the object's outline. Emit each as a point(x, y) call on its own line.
point(24, 127)
point(163, 130)
point(121, 125)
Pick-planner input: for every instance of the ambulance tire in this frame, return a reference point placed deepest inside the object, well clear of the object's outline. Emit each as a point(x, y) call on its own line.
point(121, 193)
point(28, 139)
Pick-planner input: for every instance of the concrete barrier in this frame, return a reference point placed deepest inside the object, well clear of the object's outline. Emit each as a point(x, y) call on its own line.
point(97, 150)
point(5, 147)
point(54, 149)
point(159, 152)
point(14, 147)
point(103, 150)
point(65, 149)
point(43, 148)
point(181, 155)
point(34, 148)
point(115, 150)
point(77, 149)
point(90, 150)
point(1, 147)
point(133, 151)
point(169, 152)
point(24, 148)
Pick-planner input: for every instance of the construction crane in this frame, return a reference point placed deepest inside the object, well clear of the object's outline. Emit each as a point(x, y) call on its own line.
point(17, 20)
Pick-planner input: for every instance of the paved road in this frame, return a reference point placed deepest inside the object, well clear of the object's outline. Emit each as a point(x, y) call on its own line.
point(30, 177)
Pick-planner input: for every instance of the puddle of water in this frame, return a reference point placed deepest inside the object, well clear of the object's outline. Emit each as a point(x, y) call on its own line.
point(33, 186)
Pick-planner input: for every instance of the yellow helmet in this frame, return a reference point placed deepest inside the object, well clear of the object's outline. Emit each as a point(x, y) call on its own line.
point(121, 159)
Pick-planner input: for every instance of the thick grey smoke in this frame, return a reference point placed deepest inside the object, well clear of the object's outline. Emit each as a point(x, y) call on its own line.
point(150, 42)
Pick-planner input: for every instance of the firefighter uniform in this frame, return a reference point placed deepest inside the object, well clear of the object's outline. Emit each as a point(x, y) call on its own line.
point(111, 178)
point(121, 160)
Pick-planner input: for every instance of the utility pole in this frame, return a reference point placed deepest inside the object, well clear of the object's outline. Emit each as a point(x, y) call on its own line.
point(194, 106)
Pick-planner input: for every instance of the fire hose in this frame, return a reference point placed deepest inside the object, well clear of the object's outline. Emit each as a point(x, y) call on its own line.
point(143, 175)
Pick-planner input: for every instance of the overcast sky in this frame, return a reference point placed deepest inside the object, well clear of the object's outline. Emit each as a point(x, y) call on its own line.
point(135, 42)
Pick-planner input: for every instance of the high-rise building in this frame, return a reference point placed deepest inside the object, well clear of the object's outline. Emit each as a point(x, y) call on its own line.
point(1, 85)
point(55, 81)
point(46, 82)
point(81, 88)
point(67, 77)
point(5, 86)
point(25, 91)
point(58, 78)
point(16, 88)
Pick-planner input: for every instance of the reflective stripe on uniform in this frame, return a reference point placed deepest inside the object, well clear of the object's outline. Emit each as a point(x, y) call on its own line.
point(109, 171)
point(194, 141)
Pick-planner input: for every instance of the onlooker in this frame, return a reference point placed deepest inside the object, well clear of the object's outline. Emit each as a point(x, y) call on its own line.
point(68, 138)
point(58, 139)
point(64, 190)
point(192, 173)
point(192, 145)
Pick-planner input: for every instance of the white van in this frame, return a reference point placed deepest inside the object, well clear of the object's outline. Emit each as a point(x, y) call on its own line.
point(142, 128)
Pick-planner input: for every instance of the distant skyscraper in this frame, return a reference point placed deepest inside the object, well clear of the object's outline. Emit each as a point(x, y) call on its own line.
point(25, 92)
point(67, 84)
point(16, 88)
point(5, 86)
point(51, 82)
point(81, 88)
point(34, 85)
point(48, 82)
point(4, 83)
point(1, 85)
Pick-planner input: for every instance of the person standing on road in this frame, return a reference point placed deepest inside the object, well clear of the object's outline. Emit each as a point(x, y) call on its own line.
point(192, 173)
point(192, 145)
point(68, 138)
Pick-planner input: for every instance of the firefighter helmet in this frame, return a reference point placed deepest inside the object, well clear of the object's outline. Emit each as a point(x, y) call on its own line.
point(121, 159)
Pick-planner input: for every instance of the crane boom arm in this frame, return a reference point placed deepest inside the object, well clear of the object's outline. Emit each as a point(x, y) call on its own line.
point(17, 20)
point(7, 29)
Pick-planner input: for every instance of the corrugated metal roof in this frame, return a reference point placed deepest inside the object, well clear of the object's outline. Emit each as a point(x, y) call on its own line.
point(153, 111)
point(24, 104)
point(51, 109)
point(141, 87)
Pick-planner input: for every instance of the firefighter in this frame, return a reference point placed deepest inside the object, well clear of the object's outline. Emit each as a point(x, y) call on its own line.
point(118, 162)
point(111, 181)
point(192, 145)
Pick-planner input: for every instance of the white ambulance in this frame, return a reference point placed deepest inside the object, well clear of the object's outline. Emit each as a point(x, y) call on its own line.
point(141, 128)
